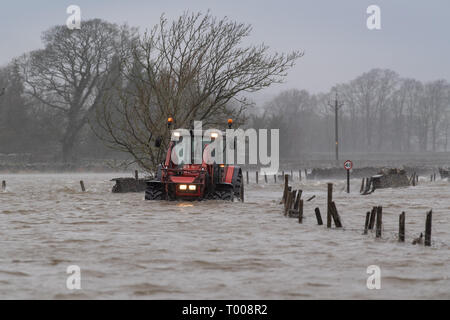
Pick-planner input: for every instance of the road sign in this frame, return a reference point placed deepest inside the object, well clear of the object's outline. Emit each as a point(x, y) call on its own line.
point(348, 165)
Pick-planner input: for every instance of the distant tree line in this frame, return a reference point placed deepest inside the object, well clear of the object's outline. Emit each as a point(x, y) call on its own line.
point(381, 112)
point(106, 90)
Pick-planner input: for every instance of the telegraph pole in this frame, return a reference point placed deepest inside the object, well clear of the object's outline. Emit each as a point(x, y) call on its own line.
point(337, 105)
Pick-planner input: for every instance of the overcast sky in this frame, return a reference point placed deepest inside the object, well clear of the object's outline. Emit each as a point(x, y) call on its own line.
point(414, 37)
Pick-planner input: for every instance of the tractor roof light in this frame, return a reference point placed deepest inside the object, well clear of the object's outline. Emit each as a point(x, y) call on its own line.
point(230, 123)
point(169, 121)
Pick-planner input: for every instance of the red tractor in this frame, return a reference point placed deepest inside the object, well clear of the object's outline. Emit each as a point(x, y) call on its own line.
point(195, 181)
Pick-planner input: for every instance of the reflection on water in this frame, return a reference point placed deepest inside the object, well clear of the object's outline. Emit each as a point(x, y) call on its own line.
point(127, 247)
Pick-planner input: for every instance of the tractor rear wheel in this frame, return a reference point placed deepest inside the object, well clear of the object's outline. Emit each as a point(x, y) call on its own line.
point(154, 192)
point(226, 195)
point(239, 187)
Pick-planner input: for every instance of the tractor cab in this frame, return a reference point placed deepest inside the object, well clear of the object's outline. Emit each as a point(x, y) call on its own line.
point(191, 174)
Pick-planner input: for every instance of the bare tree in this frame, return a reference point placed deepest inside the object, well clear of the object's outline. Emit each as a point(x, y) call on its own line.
point(194, 68)
point(69, 74)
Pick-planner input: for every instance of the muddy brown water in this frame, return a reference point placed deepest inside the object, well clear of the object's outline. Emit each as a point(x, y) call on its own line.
point(130, 248)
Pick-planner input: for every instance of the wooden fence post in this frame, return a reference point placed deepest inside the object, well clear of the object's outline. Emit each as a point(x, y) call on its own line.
point(362, 186)
point(401, 227)
point(265, 177)
point(306, 174)
point(318, 216)
point(379, 221)
point(300, 175)
point(428, 228)
point(329, 200)
point(297, 200)
point(82, 186)
point(3, 185)
point(335, 214)
point(286, 187)
point(246, 172)
point(292, 176)
point(366, 224)
point(275, 178)
point(256, 174)
point(136, 174)
point(373, 214)
point(300, 211)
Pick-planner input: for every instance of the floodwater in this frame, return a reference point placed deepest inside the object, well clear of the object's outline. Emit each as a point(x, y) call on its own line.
point(130, 248)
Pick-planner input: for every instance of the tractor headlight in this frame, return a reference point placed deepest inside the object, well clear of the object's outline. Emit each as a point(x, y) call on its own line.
point(214, 135)
point(182, 187)
point(192, 187)
point(176, 134)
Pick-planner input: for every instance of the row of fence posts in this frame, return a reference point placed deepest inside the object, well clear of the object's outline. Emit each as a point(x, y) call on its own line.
point(293, 207)
point(266, 178)
point(83, 188)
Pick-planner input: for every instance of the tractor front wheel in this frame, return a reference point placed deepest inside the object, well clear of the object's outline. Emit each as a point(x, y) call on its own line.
point(154, 192)
point(239, 187)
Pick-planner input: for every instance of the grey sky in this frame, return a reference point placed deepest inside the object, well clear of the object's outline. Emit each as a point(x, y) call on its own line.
point(414, 39)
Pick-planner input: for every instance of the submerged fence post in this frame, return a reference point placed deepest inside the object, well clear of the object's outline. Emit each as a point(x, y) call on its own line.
point(256, 174)
point(290, 199)
point(82, 186)
point(428, 228)
point(366, 224)
point(336, 217)
point(3, 185)
point(300, 211)
point(318, 216)
point(401, 227)
point(286, 187)
point(373, 214)
point(275, 178)
point(379, 221)
point(329, 200)
point(265, 177)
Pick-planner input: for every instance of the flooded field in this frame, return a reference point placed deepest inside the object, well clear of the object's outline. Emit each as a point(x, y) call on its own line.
point(130, 248)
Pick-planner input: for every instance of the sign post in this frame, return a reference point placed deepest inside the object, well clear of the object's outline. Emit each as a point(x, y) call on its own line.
point(348, 165)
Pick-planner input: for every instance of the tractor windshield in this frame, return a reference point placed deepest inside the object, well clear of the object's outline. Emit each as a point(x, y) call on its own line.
point(184, 157)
